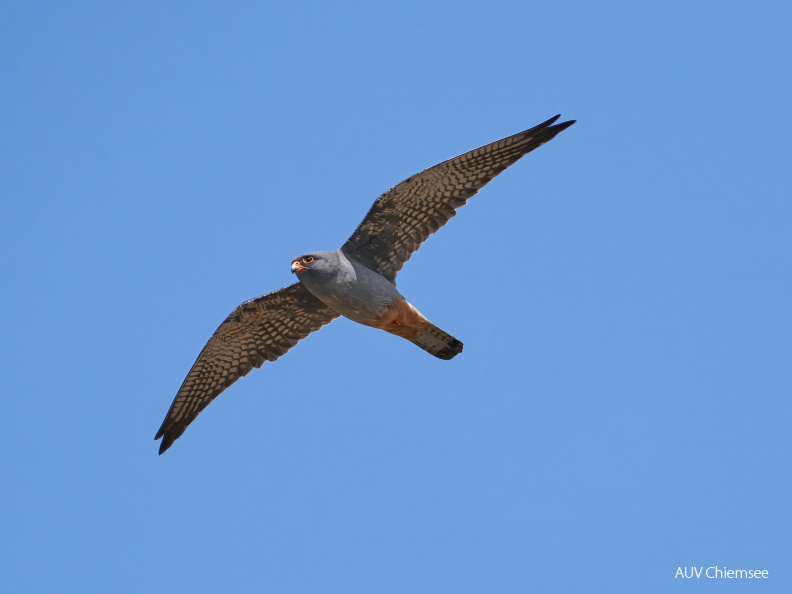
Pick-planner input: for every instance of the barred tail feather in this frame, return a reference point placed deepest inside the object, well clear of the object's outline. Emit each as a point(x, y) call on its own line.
point(438, 343)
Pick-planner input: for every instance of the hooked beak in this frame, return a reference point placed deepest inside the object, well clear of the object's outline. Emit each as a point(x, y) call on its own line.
point(298, 267)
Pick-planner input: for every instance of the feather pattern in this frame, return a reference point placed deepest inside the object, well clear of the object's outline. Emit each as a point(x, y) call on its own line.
point(403, 218)
point(259, 330)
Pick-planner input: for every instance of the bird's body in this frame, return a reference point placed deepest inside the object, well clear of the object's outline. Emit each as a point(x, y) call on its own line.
point(366, 297)
point(356, 281)
point(347, 286)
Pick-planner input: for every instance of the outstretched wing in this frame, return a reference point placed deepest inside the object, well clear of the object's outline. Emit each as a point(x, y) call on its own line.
point(259, 330)
point(403, 217)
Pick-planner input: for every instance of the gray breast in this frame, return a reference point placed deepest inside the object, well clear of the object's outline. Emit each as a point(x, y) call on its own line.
point(354, 291)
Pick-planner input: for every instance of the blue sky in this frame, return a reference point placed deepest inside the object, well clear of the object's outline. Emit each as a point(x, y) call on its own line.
point(622, 405)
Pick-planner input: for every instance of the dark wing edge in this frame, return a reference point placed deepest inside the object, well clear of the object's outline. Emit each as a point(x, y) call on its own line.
point(402, 218)
point(259, 330)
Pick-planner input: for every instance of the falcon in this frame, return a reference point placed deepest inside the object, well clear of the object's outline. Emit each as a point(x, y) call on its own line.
point(357, 281)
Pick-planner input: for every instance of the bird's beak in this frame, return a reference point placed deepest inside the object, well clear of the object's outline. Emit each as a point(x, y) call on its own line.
point(298, 267)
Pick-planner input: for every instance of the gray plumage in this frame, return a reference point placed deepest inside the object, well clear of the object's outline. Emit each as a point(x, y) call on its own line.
point(356, 281)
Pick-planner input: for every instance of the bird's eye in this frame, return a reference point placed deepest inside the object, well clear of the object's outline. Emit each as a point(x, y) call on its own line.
point(308, 259)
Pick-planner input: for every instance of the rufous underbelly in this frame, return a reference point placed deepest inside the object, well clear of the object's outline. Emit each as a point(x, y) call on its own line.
point(401, 319)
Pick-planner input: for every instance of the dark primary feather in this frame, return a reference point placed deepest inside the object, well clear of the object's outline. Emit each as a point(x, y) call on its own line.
point(403, 217)
point(259, 330)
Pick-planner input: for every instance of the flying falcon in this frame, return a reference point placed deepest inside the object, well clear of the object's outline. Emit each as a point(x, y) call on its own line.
point(357, 281)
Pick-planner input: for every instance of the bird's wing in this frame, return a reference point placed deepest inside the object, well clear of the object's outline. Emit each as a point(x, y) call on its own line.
point(259, 330)
point(403, 217)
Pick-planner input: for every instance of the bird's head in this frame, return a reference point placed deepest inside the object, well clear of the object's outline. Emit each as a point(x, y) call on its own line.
point(302, 263)
point(314, 264)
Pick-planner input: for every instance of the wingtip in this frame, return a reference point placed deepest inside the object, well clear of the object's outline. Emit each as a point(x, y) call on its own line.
point(167, 440)
point(549, 122)
point(551, 125)
point(164, 445)
point(564, 125)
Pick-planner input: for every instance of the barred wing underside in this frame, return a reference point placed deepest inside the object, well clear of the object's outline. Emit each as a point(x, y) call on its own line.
point(259, 330)
point(403, 217)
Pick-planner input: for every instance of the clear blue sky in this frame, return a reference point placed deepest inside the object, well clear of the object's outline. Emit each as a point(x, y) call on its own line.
point(621, 408)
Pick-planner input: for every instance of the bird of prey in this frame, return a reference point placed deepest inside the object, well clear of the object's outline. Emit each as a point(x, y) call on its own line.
point(357, 281)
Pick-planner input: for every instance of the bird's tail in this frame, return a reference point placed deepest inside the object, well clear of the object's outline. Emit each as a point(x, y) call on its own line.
point(436, 342)
point(402, 319)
